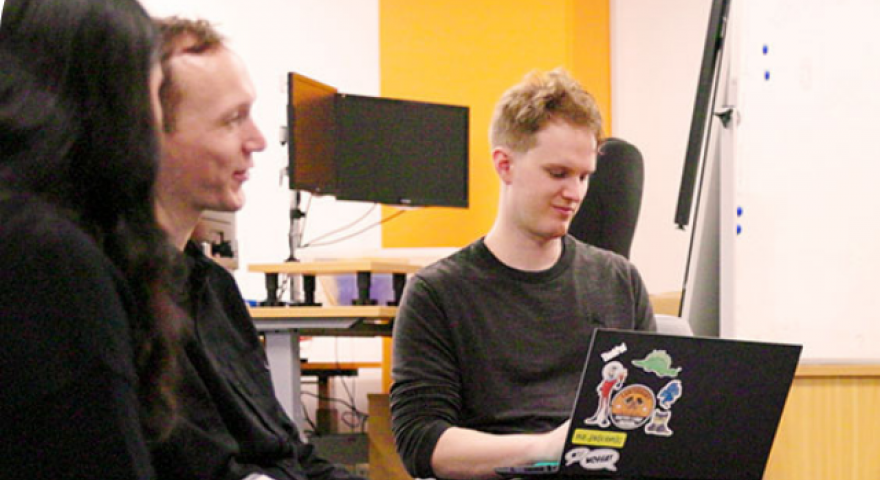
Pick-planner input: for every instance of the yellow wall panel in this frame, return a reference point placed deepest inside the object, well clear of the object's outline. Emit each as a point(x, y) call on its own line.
point(467, 52)
point(591, 51)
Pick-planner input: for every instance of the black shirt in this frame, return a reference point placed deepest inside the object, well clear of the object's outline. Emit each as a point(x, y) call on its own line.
point(232, 425)
point(68, 401)
point(483, 346)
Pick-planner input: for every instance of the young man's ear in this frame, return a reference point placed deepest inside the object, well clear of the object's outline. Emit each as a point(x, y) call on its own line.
point(502, 160)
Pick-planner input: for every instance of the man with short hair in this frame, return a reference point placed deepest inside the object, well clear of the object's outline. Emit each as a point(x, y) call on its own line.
point(231, 424)
point(489, 343)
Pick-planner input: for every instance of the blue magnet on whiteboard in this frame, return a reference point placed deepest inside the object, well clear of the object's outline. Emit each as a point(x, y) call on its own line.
point(739, 211)
point(767, 75)
point(765, 49)
point(739, 229)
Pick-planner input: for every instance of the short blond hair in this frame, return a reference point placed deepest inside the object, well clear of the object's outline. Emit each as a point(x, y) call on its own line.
point(542, 97)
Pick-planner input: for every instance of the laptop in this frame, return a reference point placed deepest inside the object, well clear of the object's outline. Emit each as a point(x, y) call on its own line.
point(657, 406)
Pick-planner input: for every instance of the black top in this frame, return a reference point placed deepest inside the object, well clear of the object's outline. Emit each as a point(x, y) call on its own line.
point(480, 345)
point(232, 423)
point(68, 403)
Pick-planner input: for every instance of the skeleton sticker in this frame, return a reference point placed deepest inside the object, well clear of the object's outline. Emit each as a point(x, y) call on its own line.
point(613, 376)
point(632, 407)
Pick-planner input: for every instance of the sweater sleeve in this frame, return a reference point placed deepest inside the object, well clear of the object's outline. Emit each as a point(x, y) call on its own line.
point(425, 396)
point(68, 406)
point(644, 313)
point(86, 429)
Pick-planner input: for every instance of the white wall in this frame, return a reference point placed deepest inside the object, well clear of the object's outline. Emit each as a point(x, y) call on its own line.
point(804, 267)
point(656, 49)
point(807, 259)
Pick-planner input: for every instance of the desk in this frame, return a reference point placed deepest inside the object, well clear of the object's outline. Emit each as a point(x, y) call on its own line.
point(282, 325)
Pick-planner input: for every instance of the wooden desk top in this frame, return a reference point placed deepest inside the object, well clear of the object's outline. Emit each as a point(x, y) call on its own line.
point(337, 267)
point(316, 366)
point(832, 370)
point(353, 311)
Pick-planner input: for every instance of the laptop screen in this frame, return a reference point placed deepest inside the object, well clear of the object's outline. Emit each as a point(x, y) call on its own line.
point(658, 406)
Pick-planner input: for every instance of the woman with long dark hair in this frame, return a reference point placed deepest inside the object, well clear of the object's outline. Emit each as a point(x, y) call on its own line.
point(87, 323)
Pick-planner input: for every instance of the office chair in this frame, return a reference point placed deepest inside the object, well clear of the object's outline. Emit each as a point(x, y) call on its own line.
point(609, 213)
point(672, 325)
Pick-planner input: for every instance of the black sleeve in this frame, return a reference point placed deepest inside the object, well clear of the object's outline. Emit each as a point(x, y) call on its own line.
point(307, 457)
point(231, 423)
point(425, 398)
point(195, 453)
point(87, 429)
point(319, 469)
point(68, 403)
point(644, 314)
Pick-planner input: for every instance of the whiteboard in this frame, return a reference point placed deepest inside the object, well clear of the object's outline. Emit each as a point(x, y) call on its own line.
point(807, 176)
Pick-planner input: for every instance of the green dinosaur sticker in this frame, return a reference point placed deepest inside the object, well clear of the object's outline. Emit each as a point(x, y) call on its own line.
point(659, 363)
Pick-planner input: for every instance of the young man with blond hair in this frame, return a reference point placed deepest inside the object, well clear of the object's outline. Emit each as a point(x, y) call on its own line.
point(489, 343)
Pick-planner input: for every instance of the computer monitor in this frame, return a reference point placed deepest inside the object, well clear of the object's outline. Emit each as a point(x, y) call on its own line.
point(400, 152)
point(311, 123)
point(374, 149)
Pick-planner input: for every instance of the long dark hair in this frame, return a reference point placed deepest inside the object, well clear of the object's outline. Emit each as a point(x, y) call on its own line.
point(95, 58)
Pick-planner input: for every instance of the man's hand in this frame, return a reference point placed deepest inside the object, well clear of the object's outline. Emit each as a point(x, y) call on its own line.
point(553, 442)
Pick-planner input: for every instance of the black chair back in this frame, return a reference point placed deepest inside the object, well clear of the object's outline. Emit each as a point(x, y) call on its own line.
point(609, 213)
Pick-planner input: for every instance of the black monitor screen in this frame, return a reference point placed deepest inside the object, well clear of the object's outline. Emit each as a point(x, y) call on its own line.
point(312, 138)
point(400, 152)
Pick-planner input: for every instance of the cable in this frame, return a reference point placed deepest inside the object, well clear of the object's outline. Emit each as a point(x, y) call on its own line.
point(307, 418)
point(355, 420)
point(384, 220)
point(305, 217)
point(352, 418)
point(353, 412)
point(340, 229)
point(360, 418)
point(283, 280)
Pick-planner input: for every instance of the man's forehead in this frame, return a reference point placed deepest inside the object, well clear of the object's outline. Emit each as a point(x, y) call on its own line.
point(219, 68)
point(217, 78)
point(207, 60)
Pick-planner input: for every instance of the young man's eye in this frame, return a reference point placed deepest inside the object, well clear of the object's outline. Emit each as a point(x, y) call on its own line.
point(236, 118)
point(557, 173)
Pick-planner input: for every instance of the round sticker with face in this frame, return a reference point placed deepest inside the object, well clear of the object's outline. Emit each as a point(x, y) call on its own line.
point(632, 407)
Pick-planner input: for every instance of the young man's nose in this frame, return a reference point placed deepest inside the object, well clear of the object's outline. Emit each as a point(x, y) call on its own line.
point(255, 142)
